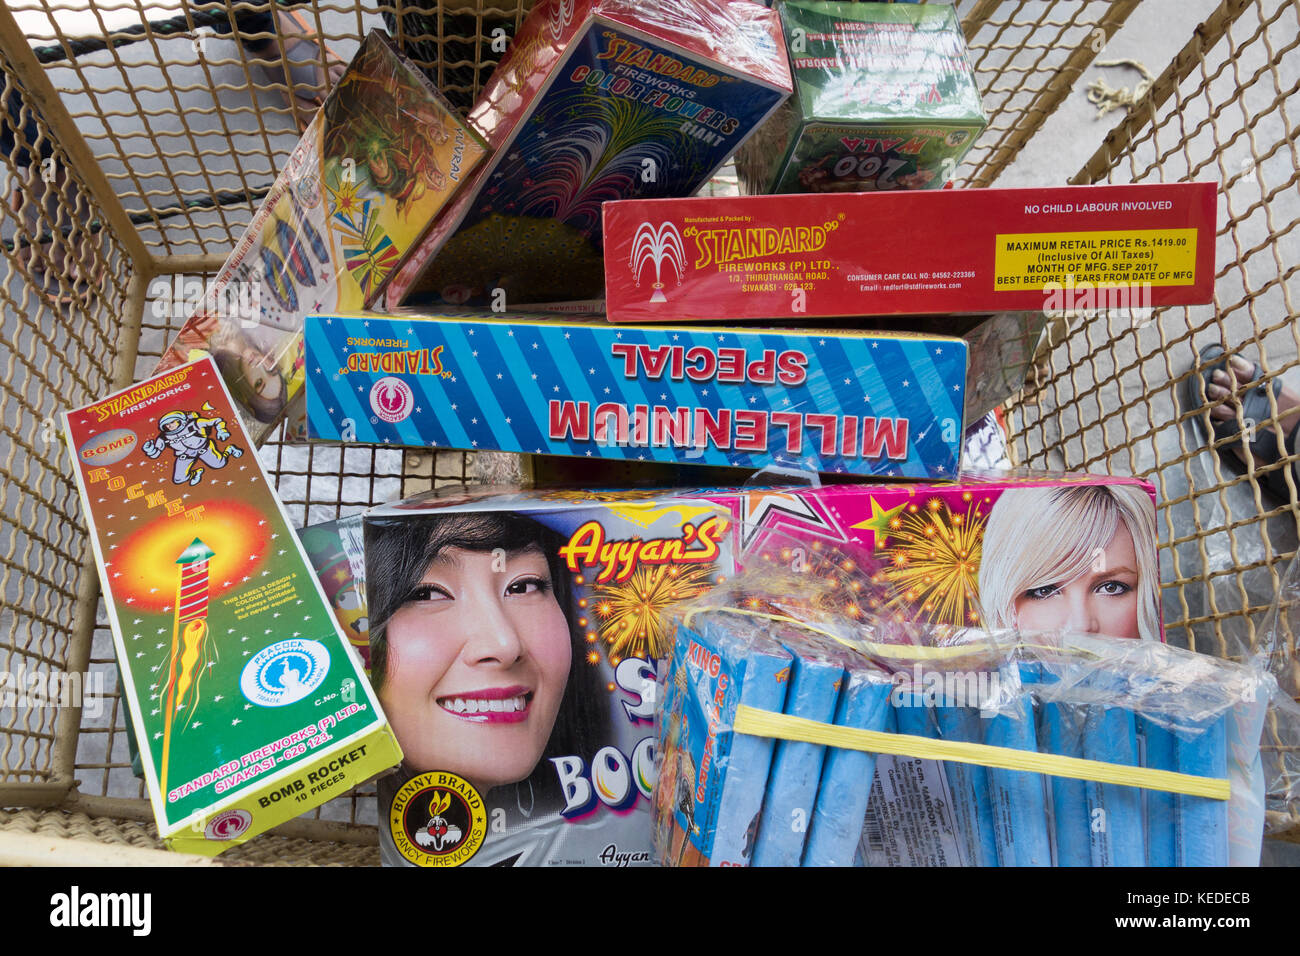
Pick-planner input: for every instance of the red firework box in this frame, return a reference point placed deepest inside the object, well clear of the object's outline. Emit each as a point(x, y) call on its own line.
point(1069, 248)
point(595, 100)
point(248, 703)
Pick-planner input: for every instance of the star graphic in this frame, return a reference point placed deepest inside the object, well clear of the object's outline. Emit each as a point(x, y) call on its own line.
point(878, 523)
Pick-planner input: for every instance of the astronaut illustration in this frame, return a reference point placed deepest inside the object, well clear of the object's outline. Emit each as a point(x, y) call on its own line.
point(192, 439)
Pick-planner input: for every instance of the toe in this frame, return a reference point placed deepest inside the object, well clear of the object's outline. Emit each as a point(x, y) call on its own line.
point(1243, 369)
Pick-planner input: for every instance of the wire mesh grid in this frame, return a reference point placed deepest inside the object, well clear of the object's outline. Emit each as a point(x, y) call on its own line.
point(190, 108)
point(64, 285)
point(1120, 393)
point(189, 118)
point(1027, 57)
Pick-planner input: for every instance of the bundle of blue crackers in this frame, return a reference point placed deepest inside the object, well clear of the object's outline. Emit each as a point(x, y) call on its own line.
point(784, 742)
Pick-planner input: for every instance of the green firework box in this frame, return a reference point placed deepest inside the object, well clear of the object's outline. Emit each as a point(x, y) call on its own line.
point(248, 703)
point(378, 162)
point(884, 98)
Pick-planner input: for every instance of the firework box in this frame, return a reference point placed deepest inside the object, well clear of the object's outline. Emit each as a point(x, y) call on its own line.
point(614, 563)
point(379, 160)
point(966, 553)
point(595, 100)
point(1059, 249)
point(857, 403)
point(884, 98)
point(724, 664)
point(542, 609)
point(337, 552)
point(248, 704)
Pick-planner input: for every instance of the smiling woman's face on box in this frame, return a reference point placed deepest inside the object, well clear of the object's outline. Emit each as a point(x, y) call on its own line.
point(478, 661)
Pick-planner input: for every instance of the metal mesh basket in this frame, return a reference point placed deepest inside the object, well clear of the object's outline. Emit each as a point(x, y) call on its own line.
point(138, 138)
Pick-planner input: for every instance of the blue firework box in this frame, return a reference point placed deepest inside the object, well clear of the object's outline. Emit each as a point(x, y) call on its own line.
point(866, 403)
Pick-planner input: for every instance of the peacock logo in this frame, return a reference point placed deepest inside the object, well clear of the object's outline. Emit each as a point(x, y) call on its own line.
point(657, 246)
point(391, 399)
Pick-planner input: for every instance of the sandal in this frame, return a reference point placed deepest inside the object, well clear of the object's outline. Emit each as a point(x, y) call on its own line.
point(1255, 409)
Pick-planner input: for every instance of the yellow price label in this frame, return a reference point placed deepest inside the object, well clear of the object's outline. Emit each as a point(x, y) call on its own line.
point(1033, 260)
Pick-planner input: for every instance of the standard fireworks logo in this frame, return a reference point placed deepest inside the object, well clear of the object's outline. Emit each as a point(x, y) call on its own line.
point(657, 247)
point(561, 16)
point(391, 399)
point(284, 673)
point(227, 825)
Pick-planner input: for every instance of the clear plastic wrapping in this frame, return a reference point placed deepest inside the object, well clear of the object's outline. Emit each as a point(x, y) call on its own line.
point(1281, 762)
point(970, 746)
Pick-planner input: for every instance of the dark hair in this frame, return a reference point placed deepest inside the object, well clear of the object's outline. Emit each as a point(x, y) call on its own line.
point(399, 551)
point(265, 410)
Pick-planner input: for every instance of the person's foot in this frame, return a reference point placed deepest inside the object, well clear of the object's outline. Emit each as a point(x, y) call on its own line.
point(1223, 389)
point(312, 68)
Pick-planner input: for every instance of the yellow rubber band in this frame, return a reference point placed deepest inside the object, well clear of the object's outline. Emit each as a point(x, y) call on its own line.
point(765, 723)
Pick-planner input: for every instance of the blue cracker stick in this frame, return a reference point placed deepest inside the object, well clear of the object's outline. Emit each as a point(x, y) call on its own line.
point(969, 785)
point(763, 678)
point(1059, 733)
point(1201, 834)
point(913, 716)
point(846, 774)
point(1114, 810)
point(1161, 805)
point(717, 776)
point(796, 766)
point(1017, 796)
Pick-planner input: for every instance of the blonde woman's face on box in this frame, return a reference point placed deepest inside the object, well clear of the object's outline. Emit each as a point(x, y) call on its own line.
point(1103, 600)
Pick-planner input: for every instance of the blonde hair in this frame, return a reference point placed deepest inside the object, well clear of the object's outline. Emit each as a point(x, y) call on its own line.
point(1050, 535)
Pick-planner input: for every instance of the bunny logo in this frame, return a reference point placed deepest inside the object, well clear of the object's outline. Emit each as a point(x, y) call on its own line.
point(391, 399)
point(438, 833)
point(438, 819)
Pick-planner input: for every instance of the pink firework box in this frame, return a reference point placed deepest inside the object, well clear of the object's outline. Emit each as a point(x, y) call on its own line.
point(608, 69)
point(1039, 551)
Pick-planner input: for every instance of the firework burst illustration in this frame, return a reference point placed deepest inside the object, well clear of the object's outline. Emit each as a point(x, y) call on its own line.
point(629, 614)
point(597, 161)
point(369, 253)
point(933, 566)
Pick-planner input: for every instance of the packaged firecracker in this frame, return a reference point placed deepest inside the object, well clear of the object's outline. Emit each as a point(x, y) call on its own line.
point(595, 100)
point(574, 586)
point(867, 404)
point(380, 159)
point(944, 748)
point(884, 98)
point(247, 701)
point(336, 550)
point(514, 640)
point(1119, 249)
